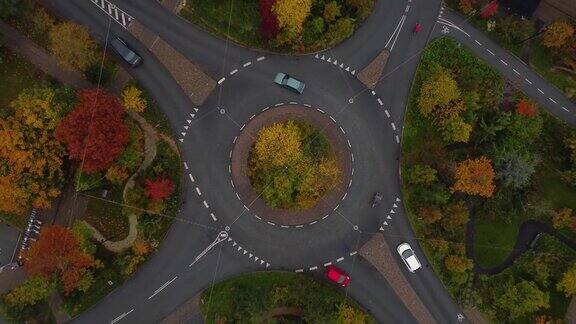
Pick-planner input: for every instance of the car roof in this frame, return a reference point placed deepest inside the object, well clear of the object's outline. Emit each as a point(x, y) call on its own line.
point(293, 83)
point(333, 274)
point(119, 46)
point(413, 262)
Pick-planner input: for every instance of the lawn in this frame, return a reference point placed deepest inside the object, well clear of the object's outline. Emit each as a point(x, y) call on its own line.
point(541, 60)
point(494, 239)
point(239, 20)
point(248, 298)
point(16, 74)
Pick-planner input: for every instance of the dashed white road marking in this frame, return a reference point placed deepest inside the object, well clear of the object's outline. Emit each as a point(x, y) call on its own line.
point(387, 113)
point(397, 139)
point(540, 90)
point(260, 58)
point(121, 316)
point(503, 62)
point(247, 64)
point(221, 80)
point(299, 270)
point(166, 284)
point(566, 109)
point(213, 216)
point(205, 204)
point(191, 177)
point(380, 102)
point(233, 71)
point(340, 259)
point(529, 82)
point(393, 126)
point(313, 268)
point(554, 101)
point(327, 264)
point(185, 165)
point(491, 53)
point(198, 191)
point(515, 71)
point(477, 42)
point(279, 104)
point(353, 253)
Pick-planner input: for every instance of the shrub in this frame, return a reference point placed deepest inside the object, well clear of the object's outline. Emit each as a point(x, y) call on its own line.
point(132, 99)
point(117, 174)
point(421, 174)
point(362, 7)
point(72, 45)
point(557, 34)
point(33, 290)
point(563, 218)
point(340, 30)
point(331, 11)
point(159, 189)
point(466, 6)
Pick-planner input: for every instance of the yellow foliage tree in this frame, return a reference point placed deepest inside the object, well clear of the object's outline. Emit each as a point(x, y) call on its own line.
point(568, 282)
point(557, 34)
point(291, 14)
point(349, 315)
point(331, 11)
point(72, 45)
point(32, 158)
point(475, 177)
point(279, 144)
point(438, 90)
point(132, 99)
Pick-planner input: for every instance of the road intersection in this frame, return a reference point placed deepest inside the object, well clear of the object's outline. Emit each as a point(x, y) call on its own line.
point(215, 235)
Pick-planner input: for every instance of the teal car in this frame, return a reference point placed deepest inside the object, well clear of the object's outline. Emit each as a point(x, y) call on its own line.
point(288, 82)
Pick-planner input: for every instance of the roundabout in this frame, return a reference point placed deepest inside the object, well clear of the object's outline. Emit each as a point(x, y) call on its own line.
point(327, 130)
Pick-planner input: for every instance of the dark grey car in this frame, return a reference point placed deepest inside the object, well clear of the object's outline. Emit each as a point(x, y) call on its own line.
point(121, 48)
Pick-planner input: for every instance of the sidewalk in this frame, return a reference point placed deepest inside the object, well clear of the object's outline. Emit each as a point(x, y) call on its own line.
point(20, 44)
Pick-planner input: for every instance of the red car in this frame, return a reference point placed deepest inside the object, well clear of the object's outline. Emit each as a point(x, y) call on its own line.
point(337, 275)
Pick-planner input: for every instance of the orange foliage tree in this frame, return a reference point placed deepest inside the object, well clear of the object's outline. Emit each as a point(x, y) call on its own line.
point(95, 132)
point(526, 108)
point(475, 177)
point(58, 253)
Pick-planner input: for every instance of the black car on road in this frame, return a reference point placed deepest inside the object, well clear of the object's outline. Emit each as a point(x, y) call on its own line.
point(126, 53)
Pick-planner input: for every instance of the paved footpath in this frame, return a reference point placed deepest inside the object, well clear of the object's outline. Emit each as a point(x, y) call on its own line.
point(22, 45)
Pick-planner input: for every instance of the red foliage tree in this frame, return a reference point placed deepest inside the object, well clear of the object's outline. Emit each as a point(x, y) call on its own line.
point(58, 253)
point(489, 10)
point(526, 108)
point(94, 132)
point(269, 23)
point(159, 189)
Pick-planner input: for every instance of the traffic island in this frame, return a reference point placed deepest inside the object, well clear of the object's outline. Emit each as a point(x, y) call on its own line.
point(252, 196)
point(377, 252)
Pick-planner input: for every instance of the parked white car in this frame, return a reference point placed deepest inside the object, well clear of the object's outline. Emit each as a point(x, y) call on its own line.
point(409, 257)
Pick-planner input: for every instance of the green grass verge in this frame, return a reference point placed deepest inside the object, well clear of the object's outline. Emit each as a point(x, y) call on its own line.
point(542, 61)
point(494, 239)
point(248, 298)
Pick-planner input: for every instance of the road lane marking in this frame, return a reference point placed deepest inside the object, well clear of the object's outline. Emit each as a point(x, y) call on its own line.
point(185, 166)
point(491, 53)
point(191, 177)
point(121, 316)
point(233, 71)
point(397, 139)
point(340, 259)
point(518, 73)
point(205, 204)
point(503, 62)
point(213, 216)
point(477, 42)
point(380, 102)
point(299, 270)
point(353, 253)
point(393, 126)
point(162, 287)
point(313, 268)
point(198, 191)
point(278, 104)
point(554, 101)
point(260, 58)
point(529, 82)
point(327, 264)
point(221, 80)
point(539, 90)
point(387, 113)
point(247, 64)
point(565, 109)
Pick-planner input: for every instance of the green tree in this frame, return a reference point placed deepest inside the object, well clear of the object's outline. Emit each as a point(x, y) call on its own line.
point(72, 45)
point(514, 169)
point(512, 29)
point(362, 7)
point(340, 30)
point(455, 129)
point(331, 11)
point(439, 89)
point(522, 299)
point(10, 8)
point(567, 284)
point(33, 290)
point(421, 174)
point(455, 215)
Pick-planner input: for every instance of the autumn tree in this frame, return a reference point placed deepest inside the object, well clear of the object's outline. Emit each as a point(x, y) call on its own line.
point(563, 218)
point(117, 174)
point(278, 144)
point(58, 253)
point(32, 291)
point(457, 264)
point(489, 10)
point(339, 30)
point(557, 34)
point(567, 283)
point(159, 189)
point(350, 315)
point(132, 99)
point(475, 177)
point(455, 129)
point(438, 90)
point(455, 215)
point(32, 157)
point(466, 6)
point(268, 21)
point(95, 132)
point(331, 11)
point(526, 108)
point(292, 14)
point(72, 45)
point(430, 215)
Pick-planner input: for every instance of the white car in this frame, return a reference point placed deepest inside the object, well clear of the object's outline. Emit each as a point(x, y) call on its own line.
point(409, 257)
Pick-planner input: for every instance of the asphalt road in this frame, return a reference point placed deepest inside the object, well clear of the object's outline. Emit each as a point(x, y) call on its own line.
point(372, 123)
